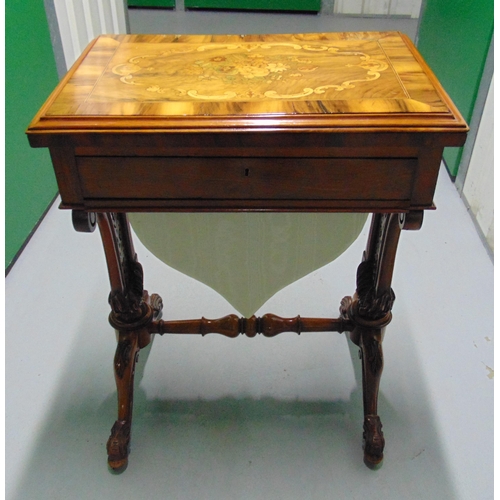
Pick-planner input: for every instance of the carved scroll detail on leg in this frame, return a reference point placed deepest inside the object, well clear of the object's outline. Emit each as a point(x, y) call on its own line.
point(83, 222)
point(412, 221)
point(128, 305)
point(156, 304)
point(345, 305)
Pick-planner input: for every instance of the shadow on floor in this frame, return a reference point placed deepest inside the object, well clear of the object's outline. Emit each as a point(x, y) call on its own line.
point(230, 448)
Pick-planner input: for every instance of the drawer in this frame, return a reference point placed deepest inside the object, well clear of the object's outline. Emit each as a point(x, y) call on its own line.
point(182, 178)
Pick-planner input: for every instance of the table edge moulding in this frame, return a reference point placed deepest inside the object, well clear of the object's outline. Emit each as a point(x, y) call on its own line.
point(320, 122)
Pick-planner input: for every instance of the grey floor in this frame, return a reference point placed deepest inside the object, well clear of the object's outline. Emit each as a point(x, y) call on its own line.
point(281, 418)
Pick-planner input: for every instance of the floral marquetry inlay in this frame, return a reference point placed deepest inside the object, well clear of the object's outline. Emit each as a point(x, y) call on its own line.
point(254, 71)
point(314, 74)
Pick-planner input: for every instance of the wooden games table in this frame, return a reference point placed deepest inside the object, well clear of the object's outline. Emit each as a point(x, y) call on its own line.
point(330, 122)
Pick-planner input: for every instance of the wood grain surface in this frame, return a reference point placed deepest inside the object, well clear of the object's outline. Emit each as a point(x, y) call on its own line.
point(198, 81)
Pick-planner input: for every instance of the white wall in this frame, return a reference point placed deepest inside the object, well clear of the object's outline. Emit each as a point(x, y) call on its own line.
point(82, 20)
point(79, 21)
point(478, 187)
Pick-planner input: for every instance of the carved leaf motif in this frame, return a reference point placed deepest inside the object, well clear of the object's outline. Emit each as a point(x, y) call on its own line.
point(127, 307)
point(373, 305)
point(126, 304)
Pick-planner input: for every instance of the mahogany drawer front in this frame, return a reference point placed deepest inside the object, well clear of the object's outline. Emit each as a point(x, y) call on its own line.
point(181, 178)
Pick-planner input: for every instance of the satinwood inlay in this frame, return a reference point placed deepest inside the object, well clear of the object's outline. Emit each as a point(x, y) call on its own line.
point(250, 72)
point(319, 74)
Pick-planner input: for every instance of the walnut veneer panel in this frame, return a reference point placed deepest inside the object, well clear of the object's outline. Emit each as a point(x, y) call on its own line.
point(248, 178)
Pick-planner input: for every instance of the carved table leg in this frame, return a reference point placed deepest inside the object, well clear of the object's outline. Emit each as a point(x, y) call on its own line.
point(132, 310)
point(135, 315)
point(118, 443)
point(370, 311)
point(372, 365)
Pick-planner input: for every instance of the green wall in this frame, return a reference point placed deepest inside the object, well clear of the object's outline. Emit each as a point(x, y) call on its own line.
point(151, 3)
point(30, 76)
point(454, 38)
point(300, 5)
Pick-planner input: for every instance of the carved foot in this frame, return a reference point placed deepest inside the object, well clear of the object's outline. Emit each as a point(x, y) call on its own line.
point(373, 441)
point(118, 446)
